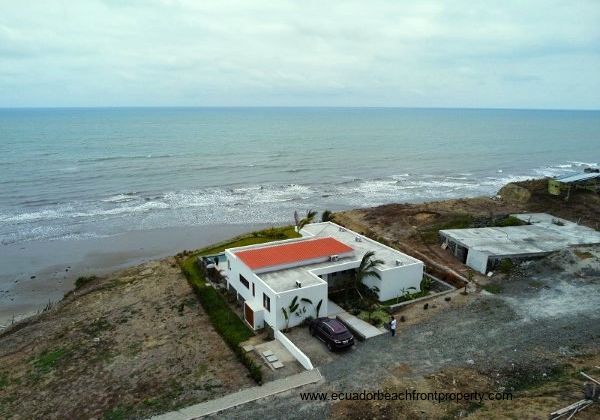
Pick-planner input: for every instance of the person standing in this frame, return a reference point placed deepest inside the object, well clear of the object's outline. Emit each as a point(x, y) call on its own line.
point(393, 326)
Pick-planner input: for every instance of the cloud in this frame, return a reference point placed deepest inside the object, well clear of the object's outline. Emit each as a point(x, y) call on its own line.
point(342, 53)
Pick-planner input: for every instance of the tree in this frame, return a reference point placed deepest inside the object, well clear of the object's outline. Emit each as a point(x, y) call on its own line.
point(326, 216)
point(366, 269)
point(301, 222)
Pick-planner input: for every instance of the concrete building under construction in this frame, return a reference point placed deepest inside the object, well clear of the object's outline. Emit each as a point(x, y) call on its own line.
point(482, 249)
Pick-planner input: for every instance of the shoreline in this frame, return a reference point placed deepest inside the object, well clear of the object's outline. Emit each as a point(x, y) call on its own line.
point(35, 273)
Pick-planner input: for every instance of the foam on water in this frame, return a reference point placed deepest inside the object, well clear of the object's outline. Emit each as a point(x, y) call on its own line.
point(162, 168)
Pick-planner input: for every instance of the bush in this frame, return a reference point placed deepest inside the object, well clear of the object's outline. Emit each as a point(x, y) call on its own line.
point(425, 284)
point(226, 322)
point(506, 266)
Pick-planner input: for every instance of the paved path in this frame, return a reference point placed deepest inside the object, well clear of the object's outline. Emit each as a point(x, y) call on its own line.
point(358, 326)
point(243, 397)
point(333, 308)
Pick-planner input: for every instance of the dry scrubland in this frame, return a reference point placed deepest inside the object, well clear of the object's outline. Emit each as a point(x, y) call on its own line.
point(127, 345)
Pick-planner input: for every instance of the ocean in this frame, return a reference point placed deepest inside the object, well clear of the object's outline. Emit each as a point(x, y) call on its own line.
point(71, 174)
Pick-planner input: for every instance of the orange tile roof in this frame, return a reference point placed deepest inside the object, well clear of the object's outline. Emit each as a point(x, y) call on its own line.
point(289, 253)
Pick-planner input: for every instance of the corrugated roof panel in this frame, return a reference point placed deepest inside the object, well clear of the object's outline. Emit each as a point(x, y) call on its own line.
point(578, 177)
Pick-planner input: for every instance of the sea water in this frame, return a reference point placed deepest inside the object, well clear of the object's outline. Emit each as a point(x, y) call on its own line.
point(84, 173)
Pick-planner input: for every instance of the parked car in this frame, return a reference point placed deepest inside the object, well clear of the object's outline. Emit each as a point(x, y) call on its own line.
point(332, 332)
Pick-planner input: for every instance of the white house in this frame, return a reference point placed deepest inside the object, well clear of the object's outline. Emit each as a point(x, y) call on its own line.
point(267, 277)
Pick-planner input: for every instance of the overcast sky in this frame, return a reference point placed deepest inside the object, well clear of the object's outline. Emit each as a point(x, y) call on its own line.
point(450, 53)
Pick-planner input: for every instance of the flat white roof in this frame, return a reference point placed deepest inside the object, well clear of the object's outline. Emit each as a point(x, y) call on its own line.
point(544, 234)
point(382, 252)
point(285, 279)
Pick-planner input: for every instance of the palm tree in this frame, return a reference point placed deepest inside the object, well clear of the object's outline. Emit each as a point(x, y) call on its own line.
point(326, 216)
point(301, 222)
point(366, 269)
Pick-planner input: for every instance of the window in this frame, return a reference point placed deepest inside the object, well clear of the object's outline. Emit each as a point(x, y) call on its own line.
point(253, 290)
point(228, 265)
point(244, 281)
point(267, 302)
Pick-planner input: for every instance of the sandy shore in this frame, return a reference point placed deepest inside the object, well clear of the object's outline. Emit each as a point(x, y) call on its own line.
point(32, 274)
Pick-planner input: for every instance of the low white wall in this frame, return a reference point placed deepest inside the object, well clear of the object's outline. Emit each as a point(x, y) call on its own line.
point(295, 351)
point(394, 280)
point(477, 260)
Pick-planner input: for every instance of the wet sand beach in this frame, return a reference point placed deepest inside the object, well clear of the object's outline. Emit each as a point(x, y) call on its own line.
point(33, 274)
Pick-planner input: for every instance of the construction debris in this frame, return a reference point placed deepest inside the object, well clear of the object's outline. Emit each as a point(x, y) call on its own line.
point(592, 394)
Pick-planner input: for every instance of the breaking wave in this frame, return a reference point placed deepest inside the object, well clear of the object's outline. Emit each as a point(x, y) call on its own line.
point(247, 203)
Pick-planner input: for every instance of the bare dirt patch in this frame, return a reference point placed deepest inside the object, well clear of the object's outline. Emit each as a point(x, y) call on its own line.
point(127, 346)
point(535, 401)
point(413, 228)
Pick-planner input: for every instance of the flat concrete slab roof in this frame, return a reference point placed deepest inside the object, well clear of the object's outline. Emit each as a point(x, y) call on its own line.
point(543, 235)
point(284, 280)
point(362, 246)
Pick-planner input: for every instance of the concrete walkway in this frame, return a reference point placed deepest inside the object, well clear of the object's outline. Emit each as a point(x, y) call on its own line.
point(242, 397)
point(333, 308)
point(359, 327)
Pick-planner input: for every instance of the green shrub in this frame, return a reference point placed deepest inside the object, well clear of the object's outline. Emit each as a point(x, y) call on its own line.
point(506, 266)
point(226, 322)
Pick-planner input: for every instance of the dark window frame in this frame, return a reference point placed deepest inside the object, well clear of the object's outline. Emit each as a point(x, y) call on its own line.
point(244, 281)
point(266, 302)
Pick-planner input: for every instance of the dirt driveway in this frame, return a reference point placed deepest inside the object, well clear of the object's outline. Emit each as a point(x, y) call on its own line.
point(315, 349)
point(500, 336)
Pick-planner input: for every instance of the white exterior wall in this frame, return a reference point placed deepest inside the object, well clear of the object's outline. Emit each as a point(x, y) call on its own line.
point(315, 293)
point(233, 278)
point(477, 260)
point(393, 280)
point(274, 317)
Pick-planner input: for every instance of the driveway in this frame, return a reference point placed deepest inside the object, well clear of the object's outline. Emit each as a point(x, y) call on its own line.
point(315, 349)
point(490, 333)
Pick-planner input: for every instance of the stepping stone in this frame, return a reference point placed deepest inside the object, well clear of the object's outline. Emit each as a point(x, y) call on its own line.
point(267, 353)
point(248, 348)
point(272, 358)
point(277, 365)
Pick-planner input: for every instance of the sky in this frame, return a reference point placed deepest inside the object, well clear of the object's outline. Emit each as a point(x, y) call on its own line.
point(452, 53)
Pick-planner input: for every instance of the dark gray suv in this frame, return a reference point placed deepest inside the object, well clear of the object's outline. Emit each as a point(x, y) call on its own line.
point(332, 332)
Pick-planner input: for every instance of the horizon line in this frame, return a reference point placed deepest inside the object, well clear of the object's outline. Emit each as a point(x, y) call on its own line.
point(288, 107)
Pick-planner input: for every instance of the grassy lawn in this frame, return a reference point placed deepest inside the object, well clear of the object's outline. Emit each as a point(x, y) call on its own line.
point(430, 234)
point(226, 322)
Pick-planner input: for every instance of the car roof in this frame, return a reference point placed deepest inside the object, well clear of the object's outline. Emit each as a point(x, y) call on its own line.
point(335, 325)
